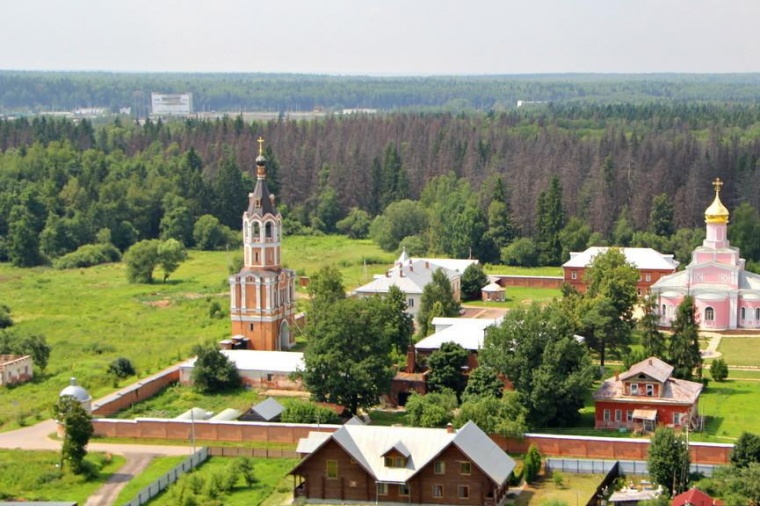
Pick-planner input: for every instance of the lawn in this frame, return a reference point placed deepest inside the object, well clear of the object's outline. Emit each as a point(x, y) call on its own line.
point(270, 477)
point(519, 295)
point(576, 489)
point(731, 407)
point(157, 468)
point(34, 476)
point(507, 270)
point(740, 350)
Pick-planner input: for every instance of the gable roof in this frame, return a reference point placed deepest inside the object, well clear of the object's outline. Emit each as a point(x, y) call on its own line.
point(468, 333)
point(695, 497)
point(652, 367)
point(268, 409)
point(367, 445)
point(412, 274)
point(641, 258)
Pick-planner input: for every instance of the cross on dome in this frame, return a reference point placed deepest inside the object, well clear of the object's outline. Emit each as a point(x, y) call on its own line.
point(260, 140)
point(717, 184)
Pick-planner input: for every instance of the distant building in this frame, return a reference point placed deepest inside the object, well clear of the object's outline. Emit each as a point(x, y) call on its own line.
point(15, 369)
point(171, 104)
point(644, 396)
point(694, 497)
point(493, 292)
point(263, 293)
point(258, 369)
point(268, 410)
point(412, 274)
point(78, 393)
point(652, 265)
point(726, 295)
point(410, 465)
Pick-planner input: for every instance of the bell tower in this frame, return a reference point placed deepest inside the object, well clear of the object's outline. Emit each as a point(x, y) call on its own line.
point(262, 294)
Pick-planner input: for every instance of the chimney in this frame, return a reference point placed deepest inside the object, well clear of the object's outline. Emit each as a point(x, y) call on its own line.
point(411, 268)
point(449, 428)
point(650, 361)
point(427, 265)
point(411, 358)
point(387, 274)
point(617, 376)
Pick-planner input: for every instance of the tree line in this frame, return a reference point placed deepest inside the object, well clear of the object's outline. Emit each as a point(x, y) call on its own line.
point(563, 179)
point(50, 91)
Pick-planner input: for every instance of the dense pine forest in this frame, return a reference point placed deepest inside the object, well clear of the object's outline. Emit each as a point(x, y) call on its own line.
point(495, 184)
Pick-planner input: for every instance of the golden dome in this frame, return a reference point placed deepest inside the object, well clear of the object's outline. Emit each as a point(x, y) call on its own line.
point(717, 212)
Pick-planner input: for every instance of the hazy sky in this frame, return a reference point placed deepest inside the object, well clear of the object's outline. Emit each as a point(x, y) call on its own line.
point(382, 37)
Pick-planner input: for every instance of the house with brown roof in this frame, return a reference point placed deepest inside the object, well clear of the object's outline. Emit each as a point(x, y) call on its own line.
point(644, 396)
point(402, 465)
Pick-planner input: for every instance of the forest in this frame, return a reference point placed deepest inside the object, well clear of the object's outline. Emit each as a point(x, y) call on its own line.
point(26, 92)
point(563, 176)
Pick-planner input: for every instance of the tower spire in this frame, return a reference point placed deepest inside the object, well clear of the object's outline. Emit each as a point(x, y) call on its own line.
point(717, 212)
point(261, 161)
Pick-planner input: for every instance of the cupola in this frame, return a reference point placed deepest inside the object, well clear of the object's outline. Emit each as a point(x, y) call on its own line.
point(717, 212)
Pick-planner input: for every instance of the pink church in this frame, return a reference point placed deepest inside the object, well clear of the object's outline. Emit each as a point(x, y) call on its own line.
point(726, 296)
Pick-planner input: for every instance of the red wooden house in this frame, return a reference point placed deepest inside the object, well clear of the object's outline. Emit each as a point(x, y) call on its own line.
point(644, 396)
point(402, 465)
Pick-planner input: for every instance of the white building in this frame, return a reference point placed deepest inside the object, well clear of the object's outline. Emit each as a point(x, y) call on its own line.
point(171, 104)
point(258, 369)
point(412, 274)
point(15, 369)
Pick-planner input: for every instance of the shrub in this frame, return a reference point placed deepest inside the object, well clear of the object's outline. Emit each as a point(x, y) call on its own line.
point(121, 368)
point(558, 478)
point(719, 370)
point(532, 464)
point(297, 411)
point(87, 256)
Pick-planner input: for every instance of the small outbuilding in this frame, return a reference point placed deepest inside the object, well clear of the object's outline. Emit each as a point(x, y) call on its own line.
point(15, 369)
point(78, 393)
point(493, 292)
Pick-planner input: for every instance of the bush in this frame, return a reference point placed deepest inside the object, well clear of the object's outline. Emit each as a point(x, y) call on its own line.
point(121, 368)
point(532, 464)
point(297, 411)
point(87, 256)
point(719, 370)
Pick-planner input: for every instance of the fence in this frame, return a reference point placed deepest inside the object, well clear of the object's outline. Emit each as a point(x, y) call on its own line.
point(264, 453)
point(168, 478)
point(625, 467)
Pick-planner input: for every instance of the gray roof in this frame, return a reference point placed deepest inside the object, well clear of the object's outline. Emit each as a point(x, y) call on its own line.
point(226, 415)
point(268, 409)
point(641, 258)
point(367, 444)
point(652, 367)
point(412, 274)
point(195, 414)
point(261, 195)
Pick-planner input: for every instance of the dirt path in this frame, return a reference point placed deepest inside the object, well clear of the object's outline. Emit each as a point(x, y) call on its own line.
point(107, 494)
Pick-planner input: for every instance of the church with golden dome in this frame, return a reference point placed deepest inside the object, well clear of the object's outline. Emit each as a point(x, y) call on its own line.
point(726, 296)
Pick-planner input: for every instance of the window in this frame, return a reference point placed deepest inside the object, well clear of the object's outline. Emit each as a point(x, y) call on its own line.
point(439, 467)
point(676, 419)
point(573, 275)
point(270, 377)
point(664, 311)
point(650, 390)
point(709, 314)
point(464, 491)
point(332, 469)
point(757, 313)
point(410, 303)
point(634, 389)
point(618, 415)
point(606, 415)
point(648, 277)
point(403, 490)
point(352, 484)
point(744, 313)
point(395, 462)
point(629, 415)
point(465, 467)
point(250, 327)
point(438, 491)
point(382, 489)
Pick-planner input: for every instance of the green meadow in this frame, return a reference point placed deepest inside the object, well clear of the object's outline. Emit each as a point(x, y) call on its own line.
point(93, 316)
point(35, 476)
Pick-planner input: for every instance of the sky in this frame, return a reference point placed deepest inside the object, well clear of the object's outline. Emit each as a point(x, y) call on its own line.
point(382, 37)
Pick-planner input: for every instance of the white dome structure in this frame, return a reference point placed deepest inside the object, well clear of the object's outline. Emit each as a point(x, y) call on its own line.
point(78, 393)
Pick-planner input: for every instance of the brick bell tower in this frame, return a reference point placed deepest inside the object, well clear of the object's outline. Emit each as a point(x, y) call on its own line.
point(262, 294)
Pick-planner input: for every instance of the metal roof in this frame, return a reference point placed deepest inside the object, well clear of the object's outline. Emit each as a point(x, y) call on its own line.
point(268, 409)
point(468, 333)
point(641, 258)
point(259, 360)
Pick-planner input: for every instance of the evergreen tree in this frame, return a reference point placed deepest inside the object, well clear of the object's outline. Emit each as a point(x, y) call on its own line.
point(394, 185)
point(550, 222)
point(651, 337)
point(473, 280)
point(684, 342)
point(661, 216)
point(325, 289)
point(230, 193)
point(23, 241)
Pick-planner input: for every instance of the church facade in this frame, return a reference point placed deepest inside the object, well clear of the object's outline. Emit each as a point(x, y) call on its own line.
point(726, 296)
point(262, 294)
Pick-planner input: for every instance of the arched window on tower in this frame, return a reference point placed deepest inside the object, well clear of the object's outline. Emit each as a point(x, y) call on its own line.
point(664, 311)
point(256, 231)
point(709, 314)
point(743, 312)
point(268, 231)
point(757, 313)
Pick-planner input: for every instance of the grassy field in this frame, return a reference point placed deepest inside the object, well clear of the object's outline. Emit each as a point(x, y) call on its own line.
point(740, 350)
point(92, 316)
point(731, 407)
point(522, 271)
point(518, 295)
point(270, 477)
point(157, 468)
point(576, 489)
point(34, 476)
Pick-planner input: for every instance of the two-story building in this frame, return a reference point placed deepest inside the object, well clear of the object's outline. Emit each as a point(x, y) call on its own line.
point(652, 265)
point(644, 396)
point(402, 465)
point(15, 369)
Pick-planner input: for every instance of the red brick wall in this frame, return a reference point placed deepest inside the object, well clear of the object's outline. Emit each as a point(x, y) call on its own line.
point(136, 392)
point(529, 281)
